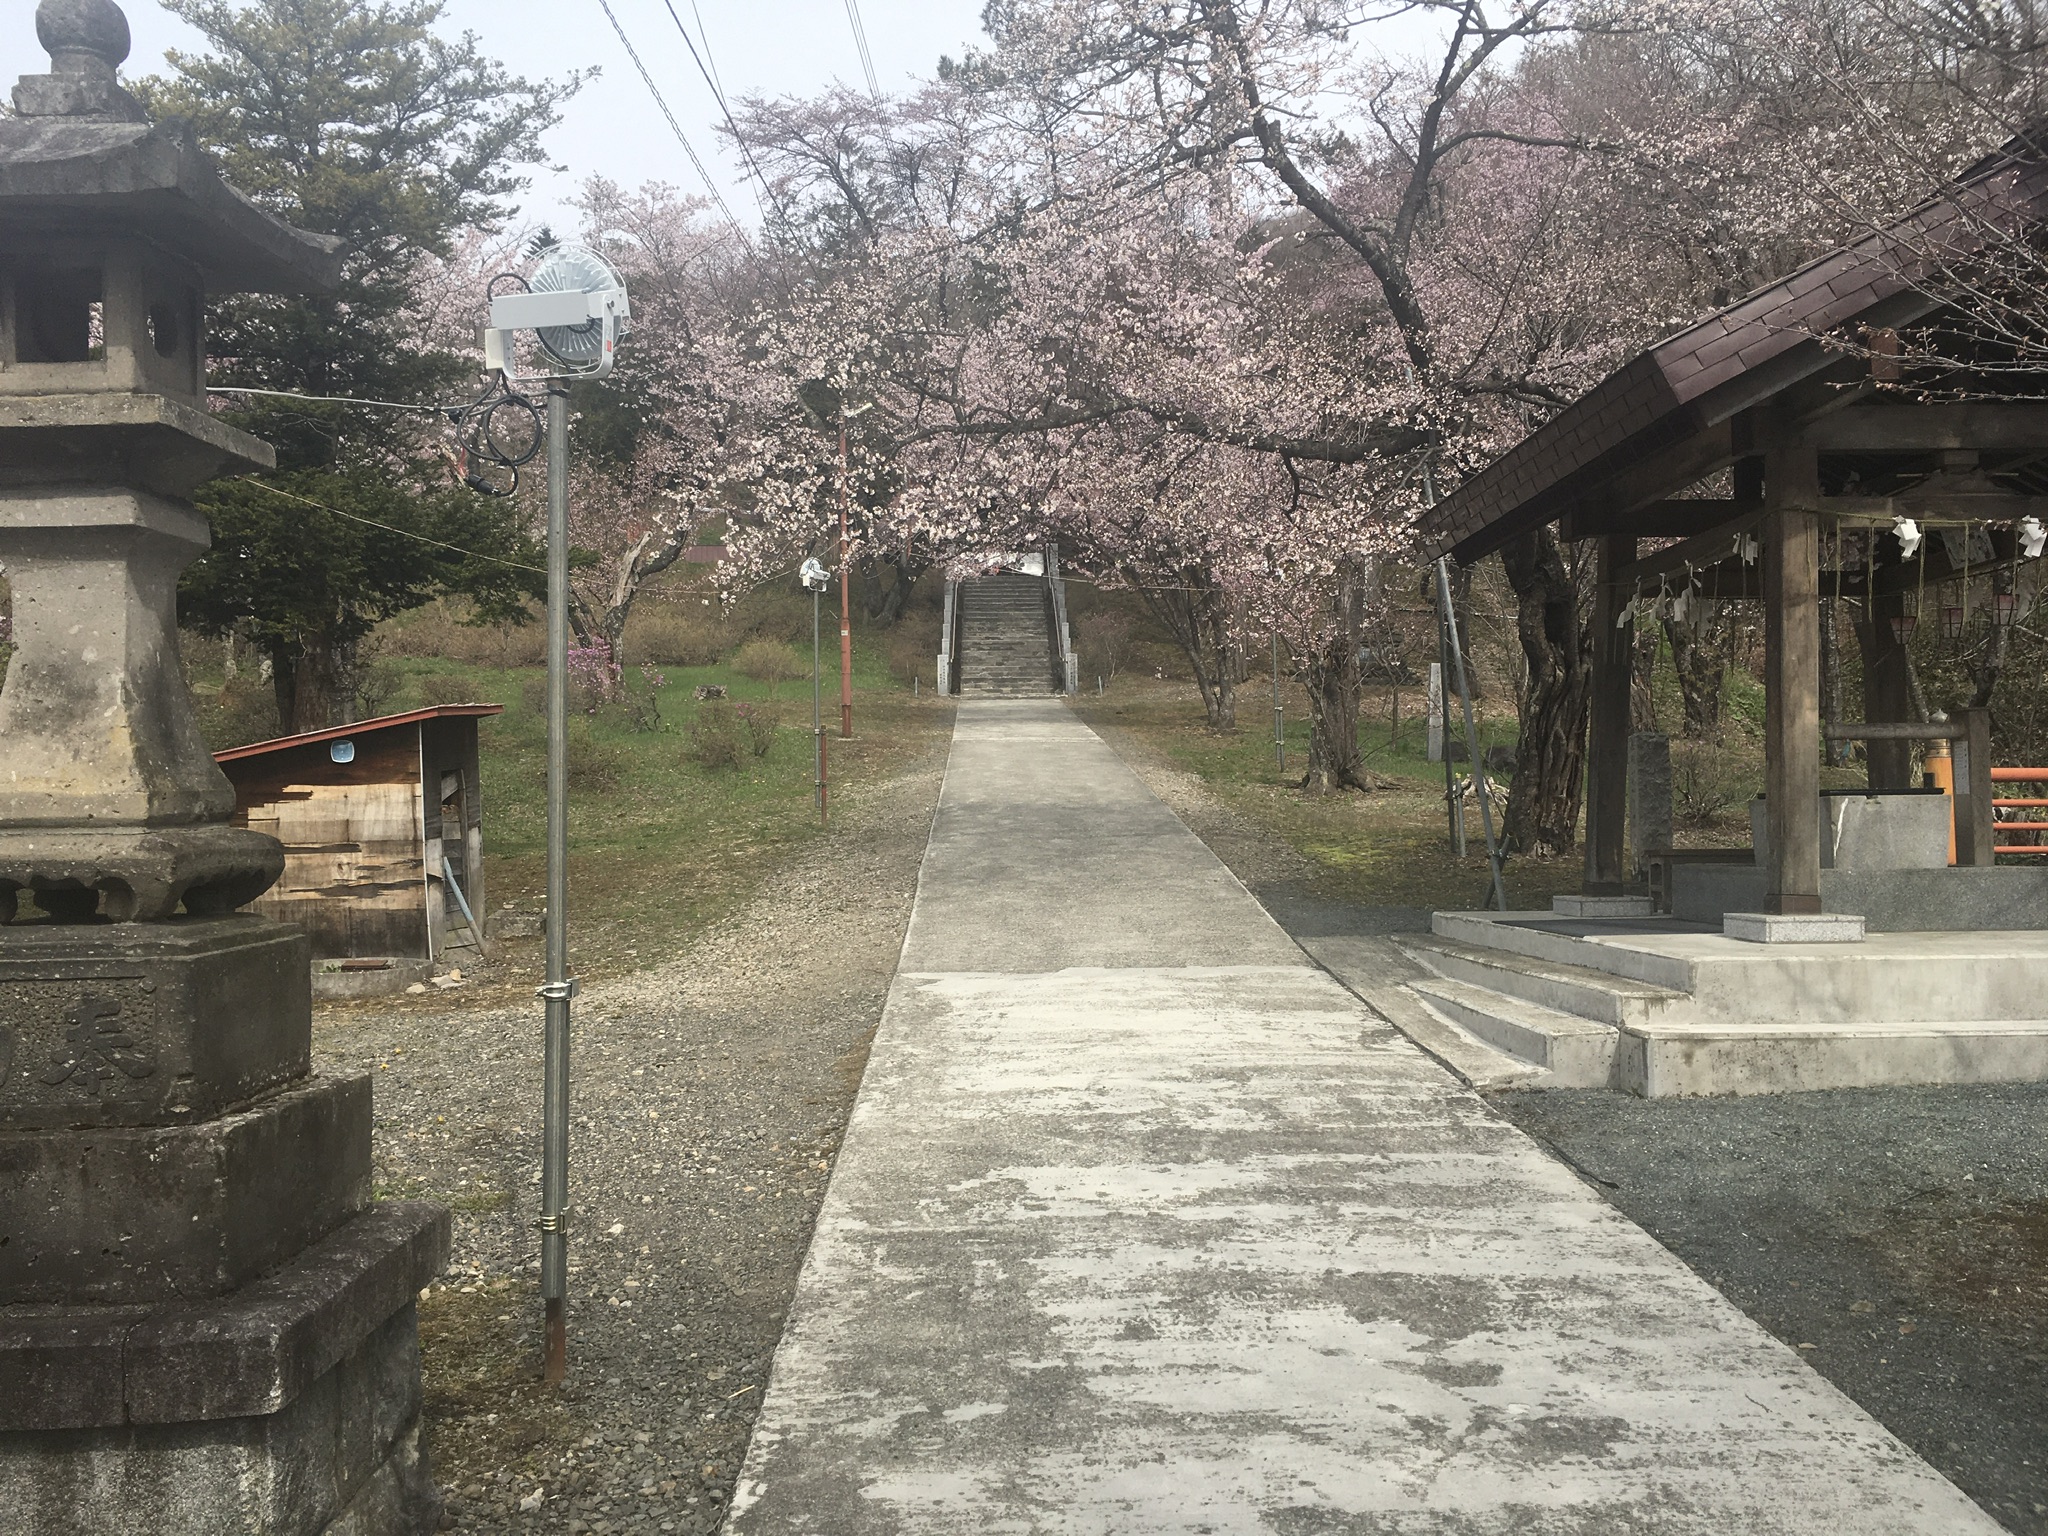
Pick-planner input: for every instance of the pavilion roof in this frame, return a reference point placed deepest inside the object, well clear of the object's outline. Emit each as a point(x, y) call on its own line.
point(1679, 391)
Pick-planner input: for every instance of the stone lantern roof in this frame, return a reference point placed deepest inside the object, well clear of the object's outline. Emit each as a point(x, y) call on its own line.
point(82, 160)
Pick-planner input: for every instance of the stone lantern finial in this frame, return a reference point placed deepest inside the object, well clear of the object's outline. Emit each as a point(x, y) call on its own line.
point(87, 40)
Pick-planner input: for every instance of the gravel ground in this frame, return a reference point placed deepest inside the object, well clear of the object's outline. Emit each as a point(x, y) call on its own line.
point(1897, 1237)
point(710, 1094)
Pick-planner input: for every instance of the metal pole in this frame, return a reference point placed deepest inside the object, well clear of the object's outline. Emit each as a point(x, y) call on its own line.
point(1453, 806)
point(1443, 590)
point(1279, 710)
point(845, 597)
point(559, 988)
point(817, 710)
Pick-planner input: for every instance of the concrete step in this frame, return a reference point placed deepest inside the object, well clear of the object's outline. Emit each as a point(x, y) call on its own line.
point(1575, 1052)
point(1597, 996)
point(1489, 931)
point(1691, 1060)
point(1380, 976)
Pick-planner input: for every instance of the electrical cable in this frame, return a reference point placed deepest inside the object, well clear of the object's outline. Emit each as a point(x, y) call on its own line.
point(860, 41)
point(482, 439)
point(404, 533)
point(718, 94)
point(292, 394)
point(676, 127)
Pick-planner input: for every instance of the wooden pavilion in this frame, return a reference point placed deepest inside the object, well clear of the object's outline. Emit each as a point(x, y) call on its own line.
point(1815, 441)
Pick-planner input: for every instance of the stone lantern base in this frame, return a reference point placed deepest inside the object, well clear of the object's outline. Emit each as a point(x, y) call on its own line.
point(209, 1325)
point(291, 1407)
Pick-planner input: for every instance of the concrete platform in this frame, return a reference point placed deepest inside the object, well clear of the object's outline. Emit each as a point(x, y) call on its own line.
point(1694, 1011)
point(1145, 1224)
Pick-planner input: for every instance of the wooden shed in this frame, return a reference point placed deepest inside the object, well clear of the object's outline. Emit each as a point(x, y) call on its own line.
point(381, 821)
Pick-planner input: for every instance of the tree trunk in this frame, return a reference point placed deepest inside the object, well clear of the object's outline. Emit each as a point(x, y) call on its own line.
point(1642, 676)
point(309, 685)
point(1700, 666)
point(1198, 617)
point(1550, 759)
point(1330, 674)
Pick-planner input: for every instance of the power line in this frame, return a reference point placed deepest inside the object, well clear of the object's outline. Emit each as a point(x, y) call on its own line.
point(718, 94)
point(404, 533)
point(681, 137)
point(292, 394)
point(860, 41)
point(701, 32)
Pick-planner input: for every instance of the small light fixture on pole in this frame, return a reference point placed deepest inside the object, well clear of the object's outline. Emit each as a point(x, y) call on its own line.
point(1904, 623)
point(816, 579)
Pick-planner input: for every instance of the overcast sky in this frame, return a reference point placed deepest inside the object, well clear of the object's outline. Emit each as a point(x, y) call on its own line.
point(613, 127)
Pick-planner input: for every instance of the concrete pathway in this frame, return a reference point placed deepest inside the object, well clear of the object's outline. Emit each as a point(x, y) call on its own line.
point(1145, 1224)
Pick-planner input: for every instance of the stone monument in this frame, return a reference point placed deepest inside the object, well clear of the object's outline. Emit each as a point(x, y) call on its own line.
point(206, 1324)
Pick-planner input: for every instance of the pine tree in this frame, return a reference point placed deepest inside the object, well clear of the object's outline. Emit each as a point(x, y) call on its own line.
point(354, 119)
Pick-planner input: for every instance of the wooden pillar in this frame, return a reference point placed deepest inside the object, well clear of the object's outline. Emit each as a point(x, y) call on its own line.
point(1607, 869)
point(1792, 678)
point(1887, 691)
point(1976, 831)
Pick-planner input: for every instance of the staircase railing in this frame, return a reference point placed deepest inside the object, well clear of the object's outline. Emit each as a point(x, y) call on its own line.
point(1069, 665)
point(949, 640)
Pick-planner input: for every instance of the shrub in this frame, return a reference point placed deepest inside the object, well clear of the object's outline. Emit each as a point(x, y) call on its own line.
point(718, 736)
point(675, 635)
point(377, 683)
point(768, 661)
point(593, 677)
point(1708, 782)
point(594, 764)
point(441, 631)
point(1103, 639)
point(760, 722)
point(243, 710)
point(450, 688)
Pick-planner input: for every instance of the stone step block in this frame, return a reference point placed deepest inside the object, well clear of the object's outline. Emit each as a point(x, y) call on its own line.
point(1575, 1052)
point(1690, 1060)
point(1593, 995)
point(125, 1214)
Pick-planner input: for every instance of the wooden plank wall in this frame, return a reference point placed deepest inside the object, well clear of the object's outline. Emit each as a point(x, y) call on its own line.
point(355, 867)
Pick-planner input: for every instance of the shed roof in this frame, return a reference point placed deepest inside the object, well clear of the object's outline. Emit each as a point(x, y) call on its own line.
point(361, 728)
point(1734, 359)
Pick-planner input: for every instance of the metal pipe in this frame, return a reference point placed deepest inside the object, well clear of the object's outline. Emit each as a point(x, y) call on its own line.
point(1453, 806)
point(817, 711)
point(1890, 730)
point(1443, 588)
point(1279, 710)
point(845, 597)
point(559, 988)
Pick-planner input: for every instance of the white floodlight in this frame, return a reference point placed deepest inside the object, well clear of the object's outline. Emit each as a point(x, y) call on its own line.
point(575, 305)
point(814, 576)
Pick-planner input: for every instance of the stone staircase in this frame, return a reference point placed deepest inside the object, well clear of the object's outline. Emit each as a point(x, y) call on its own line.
point(1005, 644)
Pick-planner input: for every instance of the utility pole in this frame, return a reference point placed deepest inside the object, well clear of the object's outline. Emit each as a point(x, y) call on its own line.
point(845, 597)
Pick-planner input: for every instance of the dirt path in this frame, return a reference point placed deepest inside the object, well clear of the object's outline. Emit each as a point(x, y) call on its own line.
point(710, 1094)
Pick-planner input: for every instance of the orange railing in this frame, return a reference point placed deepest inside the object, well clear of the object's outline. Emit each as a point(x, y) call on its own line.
point(2000, 826)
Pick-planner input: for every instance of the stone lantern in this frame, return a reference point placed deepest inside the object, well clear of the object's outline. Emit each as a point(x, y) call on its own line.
point(206, 1326)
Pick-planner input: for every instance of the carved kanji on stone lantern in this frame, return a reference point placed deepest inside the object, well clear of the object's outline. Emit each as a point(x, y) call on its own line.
point(206, 1326)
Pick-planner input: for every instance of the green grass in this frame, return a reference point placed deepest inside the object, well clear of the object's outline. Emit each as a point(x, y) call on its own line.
point(663, 845)
point(1390, 847)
